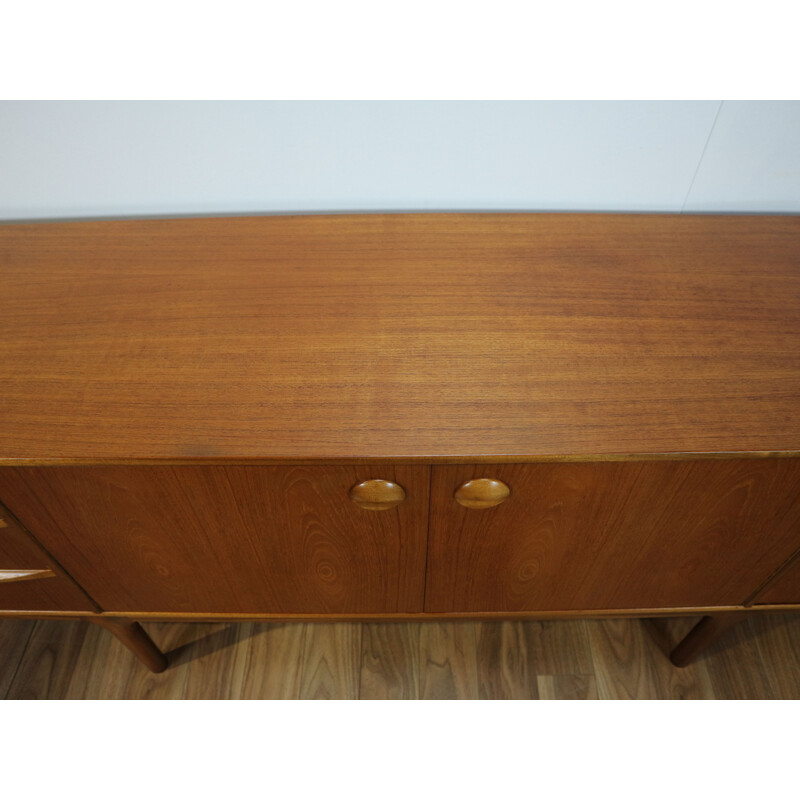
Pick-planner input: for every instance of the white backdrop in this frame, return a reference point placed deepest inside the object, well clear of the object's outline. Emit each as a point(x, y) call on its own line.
point(106, 159)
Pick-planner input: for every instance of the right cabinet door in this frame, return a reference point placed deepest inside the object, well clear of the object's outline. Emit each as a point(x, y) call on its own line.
point(609, 535)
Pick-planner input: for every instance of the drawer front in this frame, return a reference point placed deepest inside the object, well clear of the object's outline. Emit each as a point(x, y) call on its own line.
point(29, 579)
point(785, 589)
point(44, 593)
point(610, 535)
point(236, 539)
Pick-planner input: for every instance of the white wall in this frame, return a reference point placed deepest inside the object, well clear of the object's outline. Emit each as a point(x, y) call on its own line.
point(79, 159)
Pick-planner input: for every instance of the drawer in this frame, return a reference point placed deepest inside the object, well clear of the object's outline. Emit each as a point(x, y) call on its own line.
point(29, 579)
point(233, 539)
point(611, 535)
point(53, 593)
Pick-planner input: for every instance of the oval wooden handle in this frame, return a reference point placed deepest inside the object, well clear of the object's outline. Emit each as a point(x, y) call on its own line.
point(377, 495)
point(482, 493)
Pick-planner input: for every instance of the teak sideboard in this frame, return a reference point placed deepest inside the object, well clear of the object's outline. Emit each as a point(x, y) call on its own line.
point(400, 416)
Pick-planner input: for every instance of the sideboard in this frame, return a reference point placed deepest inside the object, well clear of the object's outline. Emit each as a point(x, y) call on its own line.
point(400, 416)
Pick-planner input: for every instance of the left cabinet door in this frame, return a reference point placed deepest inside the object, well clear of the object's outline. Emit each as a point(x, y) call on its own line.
point(230, 539)
point(29, 578)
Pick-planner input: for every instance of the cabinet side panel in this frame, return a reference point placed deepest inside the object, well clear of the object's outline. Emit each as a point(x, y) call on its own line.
point(233, 539)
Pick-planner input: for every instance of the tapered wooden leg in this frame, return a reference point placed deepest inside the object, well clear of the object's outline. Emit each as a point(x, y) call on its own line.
point(132, 635)
point(707, 631)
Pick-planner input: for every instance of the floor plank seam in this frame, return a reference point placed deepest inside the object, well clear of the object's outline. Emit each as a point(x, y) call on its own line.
point(591, 659)
point(21, 659)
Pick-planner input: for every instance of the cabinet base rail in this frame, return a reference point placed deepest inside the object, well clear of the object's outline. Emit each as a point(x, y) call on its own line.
point(126, 629)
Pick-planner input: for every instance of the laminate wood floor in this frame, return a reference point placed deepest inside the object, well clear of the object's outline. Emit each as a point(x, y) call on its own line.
point(581, 659)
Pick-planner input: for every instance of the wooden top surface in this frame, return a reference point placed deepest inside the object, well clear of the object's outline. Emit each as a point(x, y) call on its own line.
point(457, 337)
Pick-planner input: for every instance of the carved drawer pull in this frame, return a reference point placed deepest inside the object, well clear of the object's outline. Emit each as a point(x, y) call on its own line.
point(482, 493)
point(377, 495)
point(12, 575)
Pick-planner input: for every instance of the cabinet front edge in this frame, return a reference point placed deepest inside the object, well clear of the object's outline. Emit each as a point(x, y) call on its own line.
point(496, 458)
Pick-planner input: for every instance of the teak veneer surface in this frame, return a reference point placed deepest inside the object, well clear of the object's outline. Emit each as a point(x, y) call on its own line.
point(229, 539)
point(785, 589)
point(48, 588)
point(427, 336)
point(619, 535)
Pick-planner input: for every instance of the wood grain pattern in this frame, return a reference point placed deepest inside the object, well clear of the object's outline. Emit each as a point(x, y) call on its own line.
point(331, 659)
point(490, 616)
point(735, 665)
point(133, 636)
point(514, 657)
point(390, 655)
point(220, 344)
point(47, 667)
point(23, 562)
point(448, 661)
point(14, 635)
point(212, 659)
point(377, 495)
point(73, 660)
point(778, 643)
point(705, 633)
point(630, 665)
point(567, 687)
point(624, 535)
point(228, 539)
point(106, 670)
point(784, 588)
point(506, 670)
point(460, 336)
point(557, 647)
point(274, 656)
point(481, 493)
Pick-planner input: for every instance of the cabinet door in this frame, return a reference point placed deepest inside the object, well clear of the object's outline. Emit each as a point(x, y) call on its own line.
point(612, 535)
point(29, 579)
point(235, 539)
